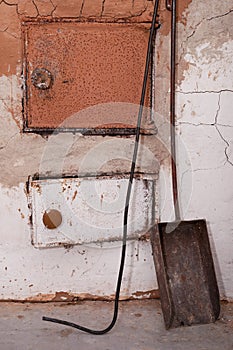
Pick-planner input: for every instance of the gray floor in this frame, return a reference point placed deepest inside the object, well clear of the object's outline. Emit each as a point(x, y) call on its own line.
point(140, 326)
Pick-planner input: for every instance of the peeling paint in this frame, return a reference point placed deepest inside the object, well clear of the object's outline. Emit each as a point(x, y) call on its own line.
point(11, 14)
point(165, 15)
point(150, 294)
point(10, 53)
point(74, 298)
point(93, 217)
point(65, 154)
point(145, 237)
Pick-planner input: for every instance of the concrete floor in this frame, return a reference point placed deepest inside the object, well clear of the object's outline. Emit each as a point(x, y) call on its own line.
point(140, 326)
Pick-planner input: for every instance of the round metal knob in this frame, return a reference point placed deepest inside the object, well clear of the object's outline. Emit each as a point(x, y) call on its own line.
point(42, 78)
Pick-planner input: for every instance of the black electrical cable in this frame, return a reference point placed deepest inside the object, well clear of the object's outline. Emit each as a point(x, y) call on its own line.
point(129, 190)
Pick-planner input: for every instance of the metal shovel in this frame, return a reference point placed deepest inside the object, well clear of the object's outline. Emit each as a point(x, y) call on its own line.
point(184, 265)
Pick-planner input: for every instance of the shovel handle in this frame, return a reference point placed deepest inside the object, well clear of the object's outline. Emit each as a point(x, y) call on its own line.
point(171, 4)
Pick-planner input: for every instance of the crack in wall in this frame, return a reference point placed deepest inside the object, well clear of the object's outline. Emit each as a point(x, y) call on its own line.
point(227, 146)
point(33, 2)
point(220, 134)
point(81, 8)
point(203, 91)
point(184, 43)
point(220, 16)
point(37, 10)
point(203, 21)
point(54, 7)
point(194, 30)
point(125, 17)
point(218, 110)
point(40, 11)
point(139, 14)
point(212, 18)
point(196, 125)
point(9, 4)
point(131, 16)
point(48, 12)
point(102, 9)
point(17, 10)
point(216, 125)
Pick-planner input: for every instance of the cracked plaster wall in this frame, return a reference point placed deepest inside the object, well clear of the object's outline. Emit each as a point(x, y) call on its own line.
point(29, 273)
point(204, 126)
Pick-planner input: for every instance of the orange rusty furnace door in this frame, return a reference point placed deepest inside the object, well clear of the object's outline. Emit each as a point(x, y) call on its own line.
point(85, 77)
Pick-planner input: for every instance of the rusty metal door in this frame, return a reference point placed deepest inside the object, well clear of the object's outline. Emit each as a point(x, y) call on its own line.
point(71, 67)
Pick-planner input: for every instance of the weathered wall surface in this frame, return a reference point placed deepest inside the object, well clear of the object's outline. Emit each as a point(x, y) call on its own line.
point(204, 125)
point(206, 102)
point(204, 94)
point(87, 270)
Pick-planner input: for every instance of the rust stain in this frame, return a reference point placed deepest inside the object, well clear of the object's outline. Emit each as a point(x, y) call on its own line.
point(150, 294)
point(105, 65)
point(101, 199)
point(182, 6)
point(65, 332)
point(72, 297)
point(36, 186)
point(165, 15)
point(183, 67)
point(165, 18)
point(21, 214)
point(67, 297)
point(145, 237)
point(20, 317)
point(116, 125)
point(13, 13)
point(63, 296)
point(14, 110)
point(127, 11)
point(163, 55)
point(74, 195)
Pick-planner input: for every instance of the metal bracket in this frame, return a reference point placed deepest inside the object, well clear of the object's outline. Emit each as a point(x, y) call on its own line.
point(169, 5)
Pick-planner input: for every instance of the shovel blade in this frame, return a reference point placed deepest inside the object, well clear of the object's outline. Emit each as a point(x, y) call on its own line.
point(185, 271)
